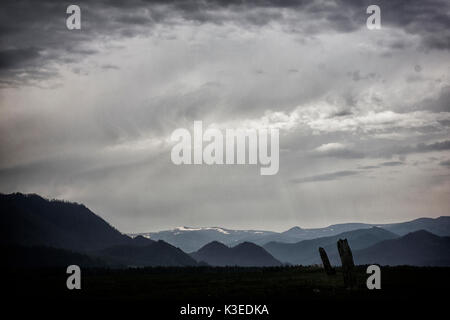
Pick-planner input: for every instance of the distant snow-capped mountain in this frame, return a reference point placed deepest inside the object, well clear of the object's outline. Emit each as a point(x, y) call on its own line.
point(199, 229)
point(190, 239)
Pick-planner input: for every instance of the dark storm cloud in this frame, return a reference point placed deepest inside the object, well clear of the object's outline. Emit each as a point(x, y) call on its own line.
point(342, 113)
point(429, 19)
point(27, 25)
point(386, 152)
point(442, 104)
point(391, 164)
point(357, 76)
point(423, 147)
point(11, 58)
point(109, 66)
point(325, 177)
point(368, 167)
point(34, 34)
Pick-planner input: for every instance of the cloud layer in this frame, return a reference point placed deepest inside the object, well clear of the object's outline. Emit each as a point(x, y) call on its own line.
point(364, 116)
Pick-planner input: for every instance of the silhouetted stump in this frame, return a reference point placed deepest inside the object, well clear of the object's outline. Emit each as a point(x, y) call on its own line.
point(326, 262)
point(347, 263)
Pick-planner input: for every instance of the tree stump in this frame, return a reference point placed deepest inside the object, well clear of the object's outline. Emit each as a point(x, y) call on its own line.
point(347, 263)
point(326, 262)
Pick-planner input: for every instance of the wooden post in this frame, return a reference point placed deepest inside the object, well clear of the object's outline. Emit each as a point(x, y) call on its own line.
point(347, 263)
point(326, 262)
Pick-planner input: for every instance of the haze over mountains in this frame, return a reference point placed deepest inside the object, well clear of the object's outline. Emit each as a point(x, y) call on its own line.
point(191, 239)
point(36, 232)
point(305, 252)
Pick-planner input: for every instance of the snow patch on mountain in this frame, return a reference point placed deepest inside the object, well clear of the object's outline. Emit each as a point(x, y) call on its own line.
point(200, 229)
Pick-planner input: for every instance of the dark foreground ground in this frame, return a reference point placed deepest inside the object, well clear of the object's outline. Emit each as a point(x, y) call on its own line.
point(285, 290)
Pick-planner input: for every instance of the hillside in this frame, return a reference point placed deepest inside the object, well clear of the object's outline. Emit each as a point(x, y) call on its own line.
point(61, 232)
point(157, 253)
point(439, 226)
point(32, 220)
point(306, 252)
point(420, 248)
point(245, 254)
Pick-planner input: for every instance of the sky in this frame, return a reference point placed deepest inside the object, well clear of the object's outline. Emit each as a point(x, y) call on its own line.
point(364, 115)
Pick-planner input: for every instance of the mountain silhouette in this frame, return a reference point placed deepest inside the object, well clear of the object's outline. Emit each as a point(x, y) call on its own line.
point(306, 252)
point(38, 232)
point(439, 226)
point(293, 232)
point(32, 220)
point(192, 239)
point(64, 231)
point(155, 253)
point(245, 254)
point(420, 248)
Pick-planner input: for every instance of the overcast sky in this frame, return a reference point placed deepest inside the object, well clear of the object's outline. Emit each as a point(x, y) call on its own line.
point(364, 116)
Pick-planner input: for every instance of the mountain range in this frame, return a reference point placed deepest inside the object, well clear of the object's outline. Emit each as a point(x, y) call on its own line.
point(191, 239)
point(306, 252)
point(37, 232)
point(370, 246)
